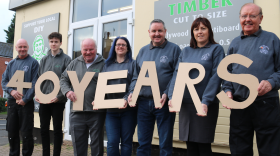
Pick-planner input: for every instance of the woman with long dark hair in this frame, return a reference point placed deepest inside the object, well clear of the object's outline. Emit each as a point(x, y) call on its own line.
point(120, 123)
point(198, 130)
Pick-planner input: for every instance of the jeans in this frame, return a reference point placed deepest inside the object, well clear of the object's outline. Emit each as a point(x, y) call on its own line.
point(20, 118)
point(120, 125)
point(147, 114)
point(46, 111)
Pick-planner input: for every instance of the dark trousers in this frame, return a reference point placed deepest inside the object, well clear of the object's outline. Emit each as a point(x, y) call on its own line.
point(20, 118)
point(198, 149)
point(263, 117)
point(46, 111)
point(120, 126)
point(83, 124)
point(147, 114)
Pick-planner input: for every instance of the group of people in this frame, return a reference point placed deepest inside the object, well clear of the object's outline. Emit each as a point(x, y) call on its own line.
point(197, 130)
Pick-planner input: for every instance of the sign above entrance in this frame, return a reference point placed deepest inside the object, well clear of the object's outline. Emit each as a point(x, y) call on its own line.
point(179, 15)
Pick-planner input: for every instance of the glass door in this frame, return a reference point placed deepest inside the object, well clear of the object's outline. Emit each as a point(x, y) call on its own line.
point(102, 20)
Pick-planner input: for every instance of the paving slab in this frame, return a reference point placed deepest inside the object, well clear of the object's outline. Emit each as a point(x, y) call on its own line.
point(66, 149)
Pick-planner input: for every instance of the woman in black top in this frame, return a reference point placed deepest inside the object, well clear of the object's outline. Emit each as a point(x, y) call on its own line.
point(120, 123)
point(198, 130)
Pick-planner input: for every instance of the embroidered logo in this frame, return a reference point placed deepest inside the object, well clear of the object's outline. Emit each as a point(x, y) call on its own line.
point(163, 59)
point(96, 70)
point(264, 49)
point(57, 66)
point(205, 56)
point(25, 68)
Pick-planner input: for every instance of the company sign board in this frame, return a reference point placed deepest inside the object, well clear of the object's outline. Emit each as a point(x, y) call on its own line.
point(179, 15)
point(36, 33)
point(15, 4)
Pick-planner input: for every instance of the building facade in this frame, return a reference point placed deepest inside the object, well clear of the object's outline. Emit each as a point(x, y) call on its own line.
point(6, 55)
point(104, 20)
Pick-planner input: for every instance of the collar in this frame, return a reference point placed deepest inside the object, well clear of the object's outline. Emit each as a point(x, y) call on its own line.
point(22, 59)
point(208, 45)
point(59, 53)
point(161, 46)
point(256, 34)
point(125, 60)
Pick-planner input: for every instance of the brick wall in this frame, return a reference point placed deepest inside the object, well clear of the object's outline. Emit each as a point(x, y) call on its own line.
point(2, 69)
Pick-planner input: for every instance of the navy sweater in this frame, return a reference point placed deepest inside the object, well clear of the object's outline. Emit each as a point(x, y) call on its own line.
point(209, 57)
point(115, 66)
point(30, 67)
point(165, 59)
point(263, 48)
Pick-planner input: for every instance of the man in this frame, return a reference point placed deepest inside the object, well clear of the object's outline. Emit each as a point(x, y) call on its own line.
point(57, 62)
point(21, 106)
point(263, 115)
point(165, 54)
point(88, 121)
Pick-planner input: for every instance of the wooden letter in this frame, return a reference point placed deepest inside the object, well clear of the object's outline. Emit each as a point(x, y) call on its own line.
point(46, 98)
point(247, 80)
point(79, 88)
point(17, 81)
point(152, 81)
point(103, 88)
point(182, 79)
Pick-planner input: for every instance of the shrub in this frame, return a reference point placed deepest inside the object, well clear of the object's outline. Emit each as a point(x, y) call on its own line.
point(2, 104)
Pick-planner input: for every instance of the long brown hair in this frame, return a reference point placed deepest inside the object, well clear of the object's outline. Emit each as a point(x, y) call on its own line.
point(196, 24)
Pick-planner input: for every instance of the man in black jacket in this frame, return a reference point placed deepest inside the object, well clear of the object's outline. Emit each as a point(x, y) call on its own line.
point(55, 61)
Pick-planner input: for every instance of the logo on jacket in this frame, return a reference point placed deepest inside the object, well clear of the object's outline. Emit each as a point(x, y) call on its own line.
point(264, 49)
point(57, 66)
point(205, 56)
point(96, 70)
point(163, 59)
point(25, 68)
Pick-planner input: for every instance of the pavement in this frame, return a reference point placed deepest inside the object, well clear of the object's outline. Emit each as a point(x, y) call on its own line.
point(66, 148)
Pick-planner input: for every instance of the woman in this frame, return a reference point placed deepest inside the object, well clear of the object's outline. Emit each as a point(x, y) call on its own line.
point(120, 123)
point(198, 130)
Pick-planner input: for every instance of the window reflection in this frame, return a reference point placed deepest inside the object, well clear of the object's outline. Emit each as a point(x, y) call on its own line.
point(114, 6)
point(110, 32)
point(79, 36)
point(85, 9)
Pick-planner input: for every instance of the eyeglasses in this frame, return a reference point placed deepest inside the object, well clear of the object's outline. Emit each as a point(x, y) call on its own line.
point(120, 45)
point(250, 16)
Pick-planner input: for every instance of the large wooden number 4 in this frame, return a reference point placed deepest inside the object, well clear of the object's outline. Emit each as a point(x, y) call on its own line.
point(17, 81)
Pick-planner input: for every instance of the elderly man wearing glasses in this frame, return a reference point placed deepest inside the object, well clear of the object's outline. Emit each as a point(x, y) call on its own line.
point(263, 115)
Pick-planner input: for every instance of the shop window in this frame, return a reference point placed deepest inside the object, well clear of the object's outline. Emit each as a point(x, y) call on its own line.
point(79, 36)
point(110, 32)
point(113, 6)
point(85, 9)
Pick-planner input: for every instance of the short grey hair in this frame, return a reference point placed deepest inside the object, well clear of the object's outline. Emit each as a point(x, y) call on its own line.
point(260, 13)
point(157, 21)
point(89, 39)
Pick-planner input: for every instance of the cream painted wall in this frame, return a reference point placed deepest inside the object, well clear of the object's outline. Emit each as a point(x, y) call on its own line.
point(271, 15)
point(42, 9)
point(144, 14)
